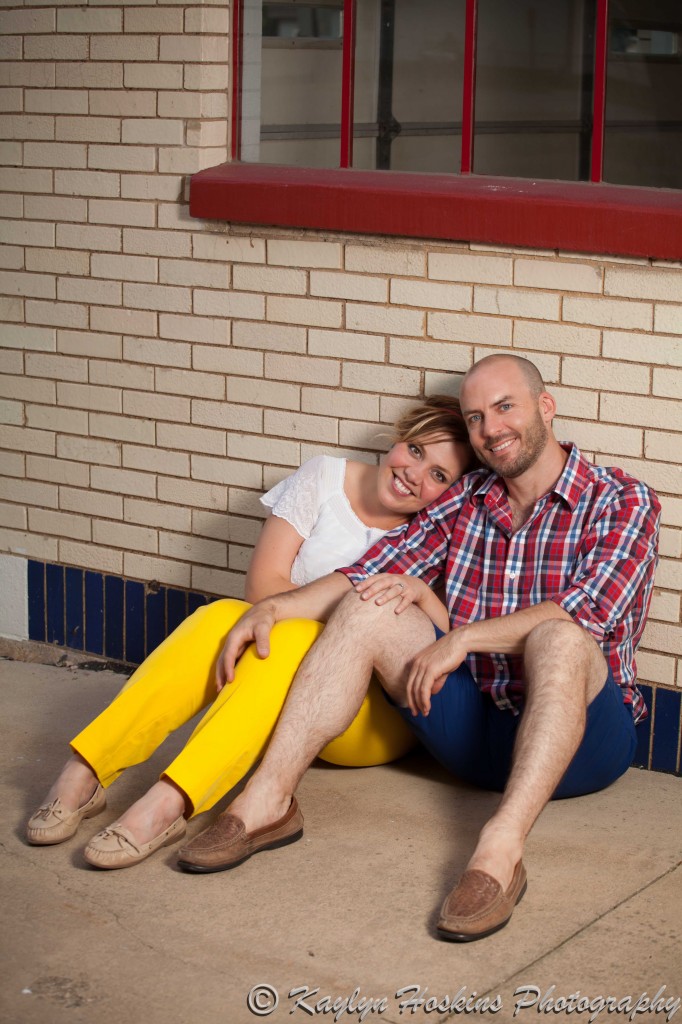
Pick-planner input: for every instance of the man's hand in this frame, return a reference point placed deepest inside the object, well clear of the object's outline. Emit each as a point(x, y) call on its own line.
point(430, 669)
point(255, 625)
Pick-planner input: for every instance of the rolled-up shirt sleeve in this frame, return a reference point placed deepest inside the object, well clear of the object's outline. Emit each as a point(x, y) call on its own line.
point(613, 578)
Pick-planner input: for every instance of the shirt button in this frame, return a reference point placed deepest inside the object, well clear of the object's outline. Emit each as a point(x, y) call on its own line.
point(512, 575)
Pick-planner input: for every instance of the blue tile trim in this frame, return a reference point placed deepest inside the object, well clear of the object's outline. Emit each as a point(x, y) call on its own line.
point(664, 757)
point(134, 622)
point(54, 593)
point(36, 600)
point(126, 620)
point(176, 609)
point(113, 617)
point(155, 619)
point(74, 608)
point(94, 613)
point(641, 759)
point(195, 601)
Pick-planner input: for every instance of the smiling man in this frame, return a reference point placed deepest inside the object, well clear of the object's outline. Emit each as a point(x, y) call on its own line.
point(547, 563)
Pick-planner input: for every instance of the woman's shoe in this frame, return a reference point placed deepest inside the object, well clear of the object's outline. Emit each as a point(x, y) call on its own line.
point(116, 846)
point(52, 823)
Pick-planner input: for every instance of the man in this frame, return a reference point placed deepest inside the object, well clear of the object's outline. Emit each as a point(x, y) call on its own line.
point(548, 566)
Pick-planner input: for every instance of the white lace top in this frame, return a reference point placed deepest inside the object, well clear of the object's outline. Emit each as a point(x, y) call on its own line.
point(313, 501)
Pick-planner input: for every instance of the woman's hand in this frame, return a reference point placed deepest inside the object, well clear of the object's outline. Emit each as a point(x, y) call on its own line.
point(389, 586)
point(254, 626)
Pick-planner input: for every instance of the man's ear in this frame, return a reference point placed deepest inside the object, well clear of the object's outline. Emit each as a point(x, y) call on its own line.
point(547, 406)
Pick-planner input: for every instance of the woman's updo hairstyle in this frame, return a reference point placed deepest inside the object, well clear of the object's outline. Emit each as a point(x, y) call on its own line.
point(436, 418)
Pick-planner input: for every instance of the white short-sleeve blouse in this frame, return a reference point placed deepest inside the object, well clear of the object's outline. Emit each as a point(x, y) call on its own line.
point(313, 501)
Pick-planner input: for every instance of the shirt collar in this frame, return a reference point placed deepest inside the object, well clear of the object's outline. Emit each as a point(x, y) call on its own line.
point(568, 487)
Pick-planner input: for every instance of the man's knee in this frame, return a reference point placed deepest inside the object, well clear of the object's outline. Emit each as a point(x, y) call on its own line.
point(565, 645)
point(561, 635)
point(353, 612)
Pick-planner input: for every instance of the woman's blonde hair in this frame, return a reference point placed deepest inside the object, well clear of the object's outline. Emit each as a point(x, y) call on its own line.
point(438, 416)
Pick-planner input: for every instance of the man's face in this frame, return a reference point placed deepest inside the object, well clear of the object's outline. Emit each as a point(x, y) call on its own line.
point(508, 426)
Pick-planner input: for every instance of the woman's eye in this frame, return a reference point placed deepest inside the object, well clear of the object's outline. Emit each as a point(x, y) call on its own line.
point(414, 449)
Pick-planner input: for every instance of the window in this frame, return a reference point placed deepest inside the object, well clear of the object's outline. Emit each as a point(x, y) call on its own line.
point(478, 120)
point(575, 90)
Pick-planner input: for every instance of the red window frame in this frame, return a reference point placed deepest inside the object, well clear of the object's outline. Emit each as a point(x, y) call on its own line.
point(591, 217)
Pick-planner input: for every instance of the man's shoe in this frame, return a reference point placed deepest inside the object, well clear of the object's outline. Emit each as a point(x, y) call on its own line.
point(477, 907)
point(116, 846)
point(52, 823)
point(226, 843)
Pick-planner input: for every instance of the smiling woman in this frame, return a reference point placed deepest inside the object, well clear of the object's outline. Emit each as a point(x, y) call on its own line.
point(324, 516)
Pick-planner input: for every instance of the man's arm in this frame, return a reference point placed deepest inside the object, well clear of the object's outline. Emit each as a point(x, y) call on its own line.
point(504, 635)
point(314, 601)
point(611, 585)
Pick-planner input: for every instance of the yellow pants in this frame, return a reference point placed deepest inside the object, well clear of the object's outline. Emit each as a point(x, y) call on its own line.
point(178, 679)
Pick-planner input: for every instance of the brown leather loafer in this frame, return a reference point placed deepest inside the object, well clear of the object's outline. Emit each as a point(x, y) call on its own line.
point(52, 823)
point(477, 907)
point(226, 843)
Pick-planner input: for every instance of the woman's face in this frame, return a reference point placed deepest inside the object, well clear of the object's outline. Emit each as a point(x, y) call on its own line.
point(414, 473)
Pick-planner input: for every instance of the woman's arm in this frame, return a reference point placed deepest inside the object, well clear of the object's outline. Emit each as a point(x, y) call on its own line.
point(273, 556)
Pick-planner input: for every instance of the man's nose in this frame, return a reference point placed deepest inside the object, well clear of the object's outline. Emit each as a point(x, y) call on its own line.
point(490, 424)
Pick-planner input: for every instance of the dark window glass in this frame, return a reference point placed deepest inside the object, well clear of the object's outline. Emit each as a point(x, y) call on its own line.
point(643, 137)
point(291, 83)
point(408, 85)
point(532, 113)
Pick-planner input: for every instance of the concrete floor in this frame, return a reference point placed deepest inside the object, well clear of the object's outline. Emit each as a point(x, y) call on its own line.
point(352, 905)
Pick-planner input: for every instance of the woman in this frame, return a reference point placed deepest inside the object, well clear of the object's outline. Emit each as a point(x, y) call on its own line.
point(325, 515)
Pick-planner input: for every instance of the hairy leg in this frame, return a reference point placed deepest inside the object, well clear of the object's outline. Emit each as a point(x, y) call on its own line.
point(564, 671)
point(328, 689)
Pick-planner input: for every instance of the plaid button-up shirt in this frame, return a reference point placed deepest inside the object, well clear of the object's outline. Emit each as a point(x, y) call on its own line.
point(590, 545)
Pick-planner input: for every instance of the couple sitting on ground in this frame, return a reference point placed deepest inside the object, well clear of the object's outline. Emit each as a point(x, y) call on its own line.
point(524, 684)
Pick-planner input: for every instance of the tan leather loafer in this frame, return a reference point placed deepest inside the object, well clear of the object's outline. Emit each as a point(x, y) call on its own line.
point(116, 846)
point(226, 843)
point(477, 907)
point(52, 823)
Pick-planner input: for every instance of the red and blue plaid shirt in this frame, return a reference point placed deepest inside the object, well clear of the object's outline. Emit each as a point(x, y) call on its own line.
point(590, 545)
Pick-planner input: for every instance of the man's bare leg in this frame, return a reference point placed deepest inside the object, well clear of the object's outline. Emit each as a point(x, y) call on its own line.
point(565, 670)
point(325, 696)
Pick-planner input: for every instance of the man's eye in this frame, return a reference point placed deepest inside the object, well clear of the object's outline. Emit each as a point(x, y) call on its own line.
point(440, 477)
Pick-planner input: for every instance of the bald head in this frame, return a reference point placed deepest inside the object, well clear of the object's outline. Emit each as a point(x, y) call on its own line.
point(529, 371)
point(509, 416)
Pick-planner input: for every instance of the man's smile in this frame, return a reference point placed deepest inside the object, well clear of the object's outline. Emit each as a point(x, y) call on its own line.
point(501, 446)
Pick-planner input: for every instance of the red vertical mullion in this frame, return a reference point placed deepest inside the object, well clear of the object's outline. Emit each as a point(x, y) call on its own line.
point(469, 86)
point(601, 40)
point(347, 83)
point(237, 62)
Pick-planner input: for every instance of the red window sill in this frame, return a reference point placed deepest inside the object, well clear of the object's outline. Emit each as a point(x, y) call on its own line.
point(577, 217)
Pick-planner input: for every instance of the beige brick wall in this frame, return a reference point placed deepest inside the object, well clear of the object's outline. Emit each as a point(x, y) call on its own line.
point(156, 373)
